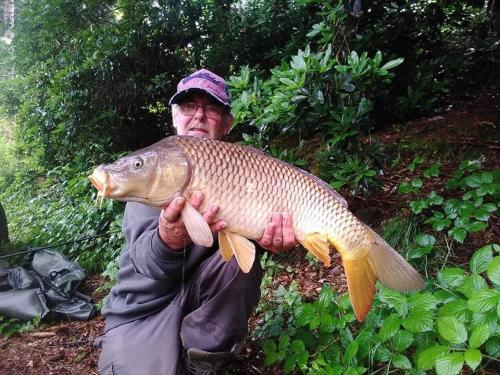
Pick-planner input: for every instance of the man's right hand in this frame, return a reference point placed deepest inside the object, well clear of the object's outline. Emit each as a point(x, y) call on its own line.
point(171, 228)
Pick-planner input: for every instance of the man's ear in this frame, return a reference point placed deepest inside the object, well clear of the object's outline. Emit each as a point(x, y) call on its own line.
point(228, 123)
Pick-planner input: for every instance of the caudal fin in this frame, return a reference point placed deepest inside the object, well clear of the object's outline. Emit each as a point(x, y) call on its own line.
point(378, 262)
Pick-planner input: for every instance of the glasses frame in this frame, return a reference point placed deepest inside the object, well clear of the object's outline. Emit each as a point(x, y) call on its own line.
point(212, 111)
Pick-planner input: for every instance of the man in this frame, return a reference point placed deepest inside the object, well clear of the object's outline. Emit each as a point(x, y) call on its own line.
point(178, 307)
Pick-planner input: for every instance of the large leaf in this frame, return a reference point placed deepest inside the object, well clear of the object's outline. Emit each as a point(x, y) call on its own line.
point(451, 276)
point(426, 301)
point(479, 336)
point(472, 284)
point(452, 330)
point(493, 271)
point(419, 320)
point(392, 64)
point(484, 300)
point(450, 364)
point(427, 357)
point(402, 340)
point(481, 259)
point(401, 361)
point(390, 327)
point(473, 358)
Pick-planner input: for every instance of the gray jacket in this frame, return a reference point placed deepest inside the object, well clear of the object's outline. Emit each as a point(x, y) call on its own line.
point(150, 274)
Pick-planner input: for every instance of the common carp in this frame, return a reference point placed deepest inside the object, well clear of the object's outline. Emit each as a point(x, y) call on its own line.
point(249, 187)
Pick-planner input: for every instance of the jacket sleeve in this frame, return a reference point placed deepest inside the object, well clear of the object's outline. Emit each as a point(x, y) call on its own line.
point(149, 255)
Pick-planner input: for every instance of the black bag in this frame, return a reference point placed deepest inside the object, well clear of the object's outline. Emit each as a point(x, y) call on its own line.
point(47, 288)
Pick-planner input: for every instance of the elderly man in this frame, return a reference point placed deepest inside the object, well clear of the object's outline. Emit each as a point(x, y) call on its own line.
point(178, 307)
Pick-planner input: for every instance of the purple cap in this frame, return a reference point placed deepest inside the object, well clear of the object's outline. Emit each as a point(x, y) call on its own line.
point(203, 81)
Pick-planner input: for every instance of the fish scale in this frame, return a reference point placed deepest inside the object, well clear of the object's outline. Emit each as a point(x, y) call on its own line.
point(281, 187)
point(249, 186)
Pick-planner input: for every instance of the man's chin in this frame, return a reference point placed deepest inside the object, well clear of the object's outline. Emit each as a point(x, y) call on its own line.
point(198, 133)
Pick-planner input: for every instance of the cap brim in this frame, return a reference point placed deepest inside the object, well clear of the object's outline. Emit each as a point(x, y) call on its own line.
point(177, 97)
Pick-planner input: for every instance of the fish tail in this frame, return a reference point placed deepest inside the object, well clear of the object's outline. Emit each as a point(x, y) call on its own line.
point(375, 260)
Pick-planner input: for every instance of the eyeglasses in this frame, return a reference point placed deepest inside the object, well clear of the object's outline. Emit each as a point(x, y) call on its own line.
point(211, 110)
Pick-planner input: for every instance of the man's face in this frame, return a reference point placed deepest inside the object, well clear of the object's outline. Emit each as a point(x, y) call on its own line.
point(192, 117)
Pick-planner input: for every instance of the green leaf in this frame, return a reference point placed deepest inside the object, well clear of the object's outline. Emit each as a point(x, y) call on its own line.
point(486, 178)
point(493, 271)
point(451, 276)
point(427, 357)
point(483, 300)
point(392, 64)
point(472, 284)
point(351, 351)
point(305, 313)
point(425, 239)
point(390, 327)
point(426, 301)
point(457, 308)
point(401, 361)
point(402, 340)
point(493, 346)
point(479, 336)
point(458, 234)
point(326, 297)
point(394, 299)
point(476, 226)
point(418, 206)
point(419, 320)
point(452, 330)
point(473, 358)
point(284, 342)
point(417, 183)
point(480, 260)
point(382, 354)
point(450, 364)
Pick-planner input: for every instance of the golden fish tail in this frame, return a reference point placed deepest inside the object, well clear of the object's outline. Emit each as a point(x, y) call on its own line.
point(375, 260)
point(365, 263)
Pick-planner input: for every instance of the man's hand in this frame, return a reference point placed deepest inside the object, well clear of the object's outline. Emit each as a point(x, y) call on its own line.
point(172, 231)
point(278, 235)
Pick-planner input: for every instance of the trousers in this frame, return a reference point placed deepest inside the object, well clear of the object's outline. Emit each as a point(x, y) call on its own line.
point(210, 313)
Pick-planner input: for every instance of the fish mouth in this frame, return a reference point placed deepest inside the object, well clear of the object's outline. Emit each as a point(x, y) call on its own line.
point(100, 179)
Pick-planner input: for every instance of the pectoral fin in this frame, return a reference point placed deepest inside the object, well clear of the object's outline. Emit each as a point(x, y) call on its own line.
point(225, 247)
point(196, 226)
point(243, 249)
point(318, 244)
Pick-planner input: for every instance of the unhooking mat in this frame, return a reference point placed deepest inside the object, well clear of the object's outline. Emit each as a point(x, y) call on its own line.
point(46, 288)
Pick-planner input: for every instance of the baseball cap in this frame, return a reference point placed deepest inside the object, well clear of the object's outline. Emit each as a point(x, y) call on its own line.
point(206, 82)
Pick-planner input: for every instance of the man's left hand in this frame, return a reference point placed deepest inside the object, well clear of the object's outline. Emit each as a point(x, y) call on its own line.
point(278, 235)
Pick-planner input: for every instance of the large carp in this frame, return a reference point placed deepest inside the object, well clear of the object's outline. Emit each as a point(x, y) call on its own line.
point(249, 186)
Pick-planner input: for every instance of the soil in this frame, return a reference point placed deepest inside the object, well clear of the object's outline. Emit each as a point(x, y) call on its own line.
point(463, 130)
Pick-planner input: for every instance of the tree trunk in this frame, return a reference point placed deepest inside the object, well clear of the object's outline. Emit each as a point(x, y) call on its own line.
point(494, 12)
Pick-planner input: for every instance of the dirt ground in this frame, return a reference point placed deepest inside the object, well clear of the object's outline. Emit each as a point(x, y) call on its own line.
point(465, 129)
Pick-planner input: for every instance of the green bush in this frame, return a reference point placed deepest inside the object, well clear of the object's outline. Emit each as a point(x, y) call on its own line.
point(317, 96)
point(453, 323)
point(60, 207)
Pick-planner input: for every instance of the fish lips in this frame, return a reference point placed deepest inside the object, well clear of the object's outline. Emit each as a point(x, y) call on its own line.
point(100, 179)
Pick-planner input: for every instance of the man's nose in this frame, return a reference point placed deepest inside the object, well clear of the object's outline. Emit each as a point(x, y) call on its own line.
point(200, 112)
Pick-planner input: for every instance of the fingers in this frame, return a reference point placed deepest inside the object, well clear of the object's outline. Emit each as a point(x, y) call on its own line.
point(218, 226)
point(279, 234)
point(267, 237)
point(278, 231)
point(196, 199)
point(288, 233)
point(172, 212)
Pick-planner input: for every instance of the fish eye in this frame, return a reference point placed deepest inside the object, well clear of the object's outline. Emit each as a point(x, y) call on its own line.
point(137, 163)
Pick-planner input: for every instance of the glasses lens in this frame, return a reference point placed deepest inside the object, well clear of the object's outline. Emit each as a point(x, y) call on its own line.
point(211, 111)
point(188, 108)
